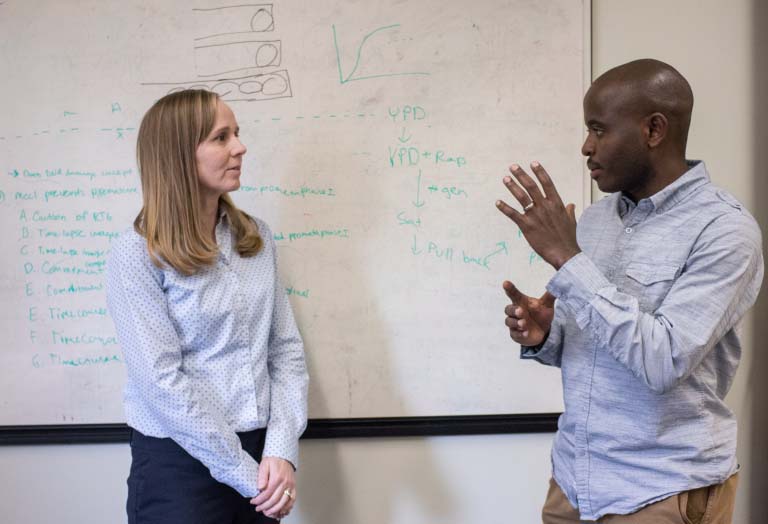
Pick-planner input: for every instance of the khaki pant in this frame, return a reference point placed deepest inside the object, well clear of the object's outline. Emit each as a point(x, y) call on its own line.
point(708, 505)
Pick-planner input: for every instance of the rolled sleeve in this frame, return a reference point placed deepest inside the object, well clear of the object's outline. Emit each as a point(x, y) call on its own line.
point(720, 281)
point(575, 284)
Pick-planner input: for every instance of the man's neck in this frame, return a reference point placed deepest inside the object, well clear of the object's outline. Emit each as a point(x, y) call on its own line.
point(662, 174)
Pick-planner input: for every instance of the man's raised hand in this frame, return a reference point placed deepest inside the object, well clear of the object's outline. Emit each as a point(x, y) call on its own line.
point(528, 319)
point(547, 224)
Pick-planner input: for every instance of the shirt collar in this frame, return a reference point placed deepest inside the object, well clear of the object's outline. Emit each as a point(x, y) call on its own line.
point(696, 176)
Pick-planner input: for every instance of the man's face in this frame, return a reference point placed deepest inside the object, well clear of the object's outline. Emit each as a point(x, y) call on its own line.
point(617, 156)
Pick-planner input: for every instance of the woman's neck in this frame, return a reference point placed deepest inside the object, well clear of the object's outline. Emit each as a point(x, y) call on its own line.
point(209, 214)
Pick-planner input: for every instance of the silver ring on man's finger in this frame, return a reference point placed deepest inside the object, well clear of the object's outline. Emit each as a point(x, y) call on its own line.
point(528, 206)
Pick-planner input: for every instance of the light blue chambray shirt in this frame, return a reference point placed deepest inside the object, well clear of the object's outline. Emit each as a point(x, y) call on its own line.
point(644, 335)
point(211, 354)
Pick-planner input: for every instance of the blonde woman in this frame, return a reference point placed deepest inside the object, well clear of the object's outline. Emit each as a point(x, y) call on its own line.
point(217, 384)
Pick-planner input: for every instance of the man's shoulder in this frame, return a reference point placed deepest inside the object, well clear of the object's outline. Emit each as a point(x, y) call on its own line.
point(719, 205)
point(712, 194)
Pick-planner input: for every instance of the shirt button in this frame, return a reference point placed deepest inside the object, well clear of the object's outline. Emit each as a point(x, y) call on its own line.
point(628, 230)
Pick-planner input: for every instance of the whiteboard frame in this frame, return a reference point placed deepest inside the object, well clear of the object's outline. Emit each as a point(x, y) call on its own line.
point(370, 427)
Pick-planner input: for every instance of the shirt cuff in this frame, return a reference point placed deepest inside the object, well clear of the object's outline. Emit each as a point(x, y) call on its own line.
point(545, 353)
point(244, 478)
point(576, 283)
point(283, 447)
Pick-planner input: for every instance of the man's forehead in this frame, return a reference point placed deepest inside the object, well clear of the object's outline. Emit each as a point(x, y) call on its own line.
point(602, 89)
point(612, 96)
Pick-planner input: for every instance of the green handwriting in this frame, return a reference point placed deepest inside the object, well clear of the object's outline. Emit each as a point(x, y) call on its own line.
point(290, 291)
point(104, 192)
point(60, 338)
point(448, 192)
point(72, 289)
point(313, 233)
point(54, 359)
point(57, 313)
point(448, 254)
point(302, 192)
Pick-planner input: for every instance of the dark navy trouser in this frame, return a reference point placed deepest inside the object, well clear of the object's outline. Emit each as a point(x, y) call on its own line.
point(167, 485)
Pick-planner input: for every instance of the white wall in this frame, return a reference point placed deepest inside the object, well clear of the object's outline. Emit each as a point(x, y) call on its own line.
point(501, 478)
point(715, 46)
point(435, 480)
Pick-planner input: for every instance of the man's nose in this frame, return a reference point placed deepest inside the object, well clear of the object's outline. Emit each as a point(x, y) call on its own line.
point(588, 148)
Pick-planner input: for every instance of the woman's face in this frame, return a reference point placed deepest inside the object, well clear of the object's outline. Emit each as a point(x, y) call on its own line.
point(220, 155)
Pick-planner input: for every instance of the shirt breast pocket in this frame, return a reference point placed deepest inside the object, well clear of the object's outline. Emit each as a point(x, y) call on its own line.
point(650, 283)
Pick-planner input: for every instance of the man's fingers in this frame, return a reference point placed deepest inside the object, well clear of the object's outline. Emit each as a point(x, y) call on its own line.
point(509, 211)
point(528, 183)
point(514, 311)
point(515, 323)
point(512, 292)
point(571, 209)
point(521, 337)
point(517, 191)
point(546, 183)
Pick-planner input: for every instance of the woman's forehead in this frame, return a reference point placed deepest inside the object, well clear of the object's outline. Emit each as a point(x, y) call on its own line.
point(224, 114)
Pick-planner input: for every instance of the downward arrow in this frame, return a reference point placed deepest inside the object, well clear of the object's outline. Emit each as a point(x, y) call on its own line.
point(418, 203)
point(414, 249)
point(402, 138)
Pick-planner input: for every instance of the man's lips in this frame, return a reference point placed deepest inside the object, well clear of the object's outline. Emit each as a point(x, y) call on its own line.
point(594, 168)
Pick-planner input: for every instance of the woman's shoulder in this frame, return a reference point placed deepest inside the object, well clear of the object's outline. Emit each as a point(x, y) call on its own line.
point(129, 241)
point(130, 248)
point(265, 232)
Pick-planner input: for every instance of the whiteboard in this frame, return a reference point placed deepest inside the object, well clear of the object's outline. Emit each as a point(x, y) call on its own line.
point(377, 135)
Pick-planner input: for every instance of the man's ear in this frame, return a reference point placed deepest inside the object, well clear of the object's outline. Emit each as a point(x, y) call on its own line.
point(656, 127)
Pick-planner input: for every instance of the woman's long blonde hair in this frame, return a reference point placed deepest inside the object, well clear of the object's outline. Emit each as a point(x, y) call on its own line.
point(170, 218)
